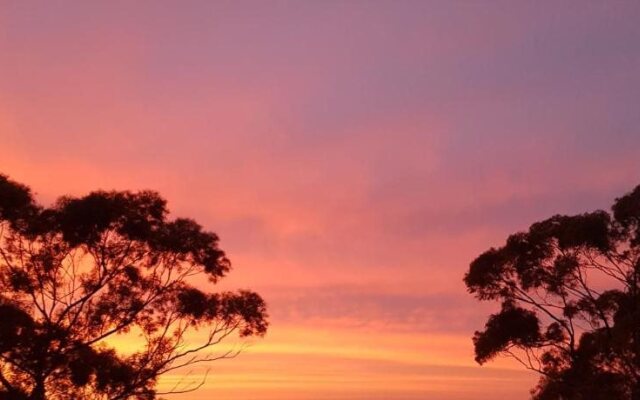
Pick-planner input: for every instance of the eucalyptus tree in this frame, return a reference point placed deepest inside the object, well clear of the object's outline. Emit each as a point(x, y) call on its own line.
point(86, 270)
point(569, 289)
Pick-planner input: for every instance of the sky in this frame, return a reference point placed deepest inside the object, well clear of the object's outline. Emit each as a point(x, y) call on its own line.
point(353, 156)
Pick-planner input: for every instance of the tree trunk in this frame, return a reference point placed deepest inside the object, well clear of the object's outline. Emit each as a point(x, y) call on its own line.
point(635, 391)
point(38, 392)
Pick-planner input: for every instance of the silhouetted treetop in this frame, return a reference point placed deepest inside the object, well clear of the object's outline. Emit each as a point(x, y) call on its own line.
point(89, 268)
point(570, 293)
point(16, 203)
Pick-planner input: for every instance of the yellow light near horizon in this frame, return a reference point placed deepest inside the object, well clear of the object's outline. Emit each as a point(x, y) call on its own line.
point(293, 361)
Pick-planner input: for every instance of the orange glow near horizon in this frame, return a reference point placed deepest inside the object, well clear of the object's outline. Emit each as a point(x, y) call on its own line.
point(353, 363)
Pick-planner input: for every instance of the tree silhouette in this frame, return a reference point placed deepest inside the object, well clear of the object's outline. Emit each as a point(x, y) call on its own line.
point(87, 269)
point(570, 294)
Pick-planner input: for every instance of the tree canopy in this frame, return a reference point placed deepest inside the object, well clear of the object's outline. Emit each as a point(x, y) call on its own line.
point(87, 269)
point(569, 289)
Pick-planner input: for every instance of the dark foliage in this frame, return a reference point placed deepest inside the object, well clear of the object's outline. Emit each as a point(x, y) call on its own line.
point(75, 275)
point(570, 294)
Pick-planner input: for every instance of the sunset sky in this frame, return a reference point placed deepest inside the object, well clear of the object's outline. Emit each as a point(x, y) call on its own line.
point(353, 156)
